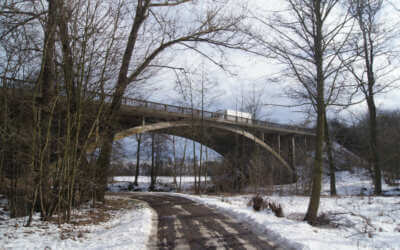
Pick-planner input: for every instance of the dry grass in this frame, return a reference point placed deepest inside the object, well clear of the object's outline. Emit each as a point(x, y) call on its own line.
point(101, 214)
point(81, 220)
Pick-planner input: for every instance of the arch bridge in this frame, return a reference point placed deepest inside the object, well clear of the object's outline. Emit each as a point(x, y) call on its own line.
point(223, 133)
point(226, 134)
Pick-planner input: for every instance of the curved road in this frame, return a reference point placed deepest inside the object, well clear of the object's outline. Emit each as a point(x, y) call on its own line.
point(185, 224)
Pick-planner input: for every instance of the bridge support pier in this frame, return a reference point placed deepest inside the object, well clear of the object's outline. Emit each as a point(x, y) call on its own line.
point(279, 144)
point(286, 147)
point(292, 156)
point(292, 152)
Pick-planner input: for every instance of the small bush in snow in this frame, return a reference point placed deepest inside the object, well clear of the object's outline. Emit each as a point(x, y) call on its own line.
point(276, 208)
point(258, 203)
point(323, 220)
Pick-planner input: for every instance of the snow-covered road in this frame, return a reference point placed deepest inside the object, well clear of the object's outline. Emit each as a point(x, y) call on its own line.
point(185, 224)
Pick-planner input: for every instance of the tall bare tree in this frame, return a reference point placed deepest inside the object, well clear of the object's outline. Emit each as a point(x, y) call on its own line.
point(198, 91)
point(307, 39)
point(374, 66)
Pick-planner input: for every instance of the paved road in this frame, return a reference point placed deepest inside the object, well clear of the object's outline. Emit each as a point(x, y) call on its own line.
point(185, 224)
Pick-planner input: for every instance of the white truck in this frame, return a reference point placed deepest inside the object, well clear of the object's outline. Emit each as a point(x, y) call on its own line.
point(233, 115)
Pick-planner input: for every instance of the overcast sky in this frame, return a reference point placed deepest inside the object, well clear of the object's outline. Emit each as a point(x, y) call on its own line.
point(254, 72)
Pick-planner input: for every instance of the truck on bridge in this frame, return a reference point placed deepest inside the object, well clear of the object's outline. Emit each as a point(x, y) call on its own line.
point(234, 115)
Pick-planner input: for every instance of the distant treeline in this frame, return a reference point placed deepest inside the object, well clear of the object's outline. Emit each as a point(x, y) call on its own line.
point(355, 138)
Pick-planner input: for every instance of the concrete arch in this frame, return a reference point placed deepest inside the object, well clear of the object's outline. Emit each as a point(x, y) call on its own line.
point(175, 124)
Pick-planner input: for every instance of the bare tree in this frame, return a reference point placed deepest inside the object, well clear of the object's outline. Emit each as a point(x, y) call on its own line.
point(199, 92)
point(64, 44)
point(307, 40)
point(373, 68)
point(253, 102)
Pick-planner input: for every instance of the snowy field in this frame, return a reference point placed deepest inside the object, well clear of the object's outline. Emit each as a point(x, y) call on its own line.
point(127, 229)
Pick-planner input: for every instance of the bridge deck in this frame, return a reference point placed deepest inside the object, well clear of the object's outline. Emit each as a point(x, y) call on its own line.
point(185, 112)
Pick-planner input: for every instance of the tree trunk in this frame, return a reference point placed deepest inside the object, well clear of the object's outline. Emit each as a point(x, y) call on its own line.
point(313, 206)
point(121, 85)
point(174, 154)
point(200, 167)
point(43, 116)
point(195, 167)
point(182, 166)
point(103, 166)
point(373, 144)
point(312, 211)
point(330, 159)
point(205, 170)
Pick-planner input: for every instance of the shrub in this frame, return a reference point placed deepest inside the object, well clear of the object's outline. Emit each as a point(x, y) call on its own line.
point(276, 208)
point(258, 204)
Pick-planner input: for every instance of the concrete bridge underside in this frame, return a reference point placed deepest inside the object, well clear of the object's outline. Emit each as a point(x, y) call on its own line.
point(221, 138)
point(226, 135)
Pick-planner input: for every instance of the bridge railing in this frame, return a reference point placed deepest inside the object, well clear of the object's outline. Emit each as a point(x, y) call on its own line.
point(206, 114)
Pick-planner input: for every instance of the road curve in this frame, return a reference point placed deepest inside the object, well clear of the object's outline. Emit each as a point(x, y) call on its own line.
point(185, 224)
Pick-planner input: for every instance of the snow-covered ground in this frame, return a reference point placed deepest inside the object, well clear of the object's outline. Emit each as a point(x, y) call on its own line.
point(127, 229)
point(356, 221)
point(357, 183)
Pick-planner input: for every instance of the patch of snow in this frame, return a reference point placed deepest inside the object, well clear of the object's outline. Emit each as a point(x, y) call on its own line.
point(127, 229)
point(357, 182)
